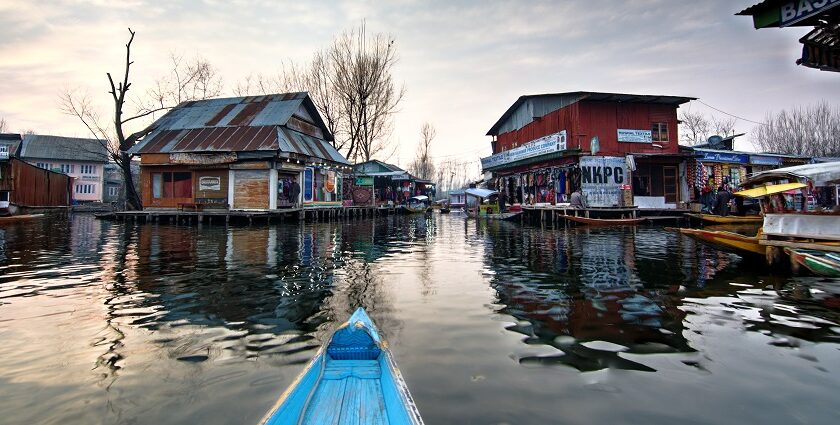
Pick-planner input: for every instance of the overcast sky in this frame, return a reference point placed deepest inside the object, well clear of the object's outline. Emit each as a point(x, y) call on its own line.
point(463, 63)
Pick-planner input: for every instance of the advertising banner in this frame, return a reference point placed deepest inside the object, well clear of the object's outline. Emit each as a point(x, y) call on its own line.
point(547, 144)
point(635, 136)
point(602, 178)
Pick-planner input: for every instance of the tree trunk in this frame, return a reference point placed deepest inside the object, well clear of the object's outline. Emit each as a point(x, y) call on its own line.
point(132, 198)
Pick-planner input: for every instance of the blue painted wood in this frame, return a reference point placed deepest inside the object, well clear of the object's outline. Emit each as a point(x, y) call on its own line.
point(352, 380)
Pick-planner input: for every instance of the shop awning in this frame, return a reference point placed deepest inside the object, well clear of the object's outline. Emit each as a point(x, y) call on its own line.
point(481, 193)
point(420, 198)
point(760, 191)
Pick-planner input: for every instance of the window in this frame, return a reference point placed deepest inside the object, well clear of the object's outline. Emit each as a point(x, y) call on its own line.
point(660, 131)
point(4, 196)
point(172, 185)
point(43, 165)
point(68, 168)
point(4, 151)
point(113, 191)
point(85, 188)
point(87, 169)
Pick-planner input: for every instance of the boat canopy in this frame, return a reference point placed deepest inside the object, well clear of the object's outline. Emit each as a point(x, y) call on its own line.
point(819, 174)
point(481, 193)
point(760, 191)
point(419, 198)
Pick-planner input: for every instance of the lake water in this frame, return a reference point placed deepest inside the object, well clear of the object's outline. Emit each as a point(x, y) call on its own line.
point(490, 323)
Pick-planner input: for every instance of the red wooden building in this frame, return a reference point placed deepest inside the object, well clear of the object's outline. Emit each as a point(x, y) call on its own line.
point(547, 146)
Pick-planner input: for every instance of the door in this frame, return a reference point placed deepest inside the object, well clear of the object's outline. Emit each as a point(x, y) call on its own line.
point(250, 190)
point(670, 182)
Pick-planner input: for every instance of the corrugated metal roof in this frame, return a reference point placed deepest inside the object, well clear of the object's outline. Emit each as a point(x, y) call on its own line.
point(539, 105)
point(37, 146)
point(240, 124)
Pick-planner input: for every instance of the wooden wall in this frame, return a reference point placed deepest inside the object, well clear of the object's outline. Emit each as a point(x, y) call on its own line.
point(31, 186)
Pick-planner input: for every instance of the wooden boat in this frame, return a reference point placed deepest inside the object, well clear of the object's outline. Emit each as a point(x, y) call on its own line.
point(729, 219)
point(353, 379)
point(822, 263)
point(728, 241)
point(444, 210)
point(15, 218)
point(604, 221)
point(502, 216)
point(417, 204)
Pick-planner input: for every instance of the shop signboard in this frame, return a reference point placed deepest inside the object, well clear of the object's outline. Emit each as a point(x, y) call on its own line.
point(209, 183)
point(709, 156)
point(364, 181)
point(765, 160)
point(799, 10)
point(635, 136)
point(602, 178)
point(555, 142)
point(308, 181)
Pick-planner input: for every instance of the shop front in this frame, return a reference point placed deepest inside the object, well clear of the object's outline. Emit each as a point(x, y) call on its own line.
point(322, 186)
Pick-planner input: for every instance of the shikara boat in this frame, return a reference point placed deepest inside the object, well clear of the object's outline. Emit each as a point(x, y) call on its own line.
point(417, 204)
point(604, 221)
point(728, 241)
point(14, 218)
point(822, 263)
point(353, 379)
point(502, 216)
point(729, 219)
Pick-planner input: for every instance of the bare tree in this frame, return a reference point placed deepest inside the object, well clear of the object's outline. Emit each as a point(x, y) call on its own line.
point(422, 166)
point(811, 131)
point(189, 80)
point(365, 89)
point(695, 127)
point(351, 84)
point(4, 126)
point(724, 127)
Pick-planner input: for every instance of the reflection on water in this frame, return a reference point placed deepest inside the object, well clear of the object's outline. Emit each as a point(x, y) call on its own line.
point(490, 322)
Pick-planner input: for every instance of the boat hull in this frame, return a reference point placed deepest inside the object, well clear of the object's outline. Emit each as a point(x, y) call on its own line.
point(16, 218)
point(821, 263)
point(352, 379)
point(728, 241)
point(730, 219)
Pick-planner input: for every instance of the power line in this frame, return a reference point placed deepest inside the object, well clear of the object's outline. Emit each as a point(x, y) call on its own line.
point(732, 115)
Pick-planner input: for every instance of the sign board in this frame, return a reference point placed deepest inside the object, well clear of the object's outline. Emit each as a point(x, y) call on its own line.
point(765, 160)
point(799, 10)
point(201, 158)
point(364, 181)
point(602, 178)
point(635, 136)
point(209, 183)
point(308, 178)
point(555, 142)
point(706, 156)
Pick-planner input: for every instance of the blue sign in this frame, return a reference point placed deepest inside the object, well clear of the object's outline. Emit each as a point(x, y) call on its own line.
point(765, 160)
point(796, 11)
point(736, 158)
point(308, 175)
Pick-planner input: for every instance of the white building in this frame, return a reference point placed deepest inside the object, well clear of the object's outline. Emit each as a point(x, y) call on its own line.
point(82, 159)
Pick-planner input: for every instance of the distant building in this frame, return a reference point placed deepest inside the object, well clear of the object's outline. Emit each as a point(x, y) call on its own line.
point(82, 159)
point(241, 153)
point(607, 145)
point(388, 183)
point(9, 145)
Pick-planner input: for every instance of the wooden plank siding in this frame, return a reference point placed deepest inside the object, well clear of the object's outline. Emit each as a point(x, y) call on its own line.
point(30, 186)
point(250, 189)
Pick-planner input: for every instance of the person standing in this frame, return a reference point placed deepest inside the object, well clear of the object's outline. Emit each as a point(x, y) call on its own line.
point(722, 201)
point(294, 193)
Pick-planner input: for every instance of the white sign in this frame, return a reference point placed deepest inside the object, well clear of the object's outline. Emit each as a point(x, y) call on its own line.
point(547, 144)
point(209, 183)
point(601, 179)
point(799, 10)
point(635, 136)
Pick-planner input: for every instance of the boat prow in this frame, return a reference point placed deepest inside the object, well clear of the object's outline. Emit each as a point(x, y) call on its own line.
point(352, 379)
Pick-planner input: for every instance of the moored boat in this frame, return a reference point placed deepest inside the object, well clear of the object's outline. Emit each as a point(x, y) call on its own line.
point(822, 263)
point(604, 221)
point(352, 379)
point(14, 218)
point(728, 241)
point(729, 219)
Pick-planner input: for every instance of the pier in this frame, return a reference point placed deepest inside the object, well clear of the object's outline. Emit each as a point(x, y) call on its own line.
point(552, 214)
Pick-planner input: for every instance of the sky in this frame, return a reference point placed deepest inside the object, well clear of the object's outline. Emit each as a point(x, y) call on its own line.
point(463, 63)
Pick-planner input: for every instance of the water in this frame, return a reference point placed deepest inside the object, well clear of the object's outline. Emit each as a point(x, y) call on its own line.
point(490, 323)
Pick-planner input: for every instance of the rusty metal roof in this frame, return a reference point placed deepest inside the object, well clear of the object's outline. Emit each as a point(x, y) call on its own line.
point(240, 124)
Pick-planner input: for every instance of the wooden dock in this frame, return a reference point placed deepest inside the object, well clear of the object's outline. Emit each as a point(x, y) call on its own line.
point(552, 214)
point(224, 216)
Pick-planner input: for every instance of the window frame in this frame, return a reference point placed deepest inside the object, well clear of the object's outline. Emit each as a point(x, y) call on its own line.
point(657, 130)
